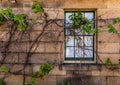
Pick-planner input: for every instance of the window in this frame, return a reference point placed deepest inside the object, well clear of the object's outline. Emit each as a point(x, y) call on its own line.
point(79, 45)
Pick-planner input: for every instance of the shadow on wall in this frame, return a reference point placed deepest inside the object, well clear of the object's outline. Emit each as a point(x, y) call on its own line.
point(83, 80)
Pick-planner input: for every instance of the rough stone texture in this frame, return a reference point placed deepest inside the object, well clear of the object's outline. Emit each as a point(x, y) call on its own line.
point(48, 50)
point(42, 58)
point(16, 68)
point(51, 80)
point(108, 48)
point(114, 57)
point(57, 71)
point(86, 80)
point(108, 37)
point(115, 79)
point(14, 80)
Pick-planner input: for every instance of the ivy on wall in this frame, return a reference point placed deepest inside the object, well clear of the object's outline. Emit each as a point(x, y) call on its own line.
point(20, 22)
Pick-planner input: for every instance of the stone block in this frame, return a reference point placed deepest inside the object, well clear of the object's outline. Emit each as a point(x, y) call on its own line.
point(41, 58)
point(38, 81)
point(108, 47)
point(98, 80)
point(82, 80)
point(95, 73)
point(19, 47)
point(11, 58)
point(38, 47)
point(22, 57)
point(36, 68)
point(113, 4)
point(113, 57)
point(54, 72)
point(4, 35)
point(57, 71)
point(108, 13)
point(14, 80)
point(113, 80)
point(16, 68)
point(29, 69)
point(108, 37)
point(51, 80)
point(84, 4)
point(52, 47)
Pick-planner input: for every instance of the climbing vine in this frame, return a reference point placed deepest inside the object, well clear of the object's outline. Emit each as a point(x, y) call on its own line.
point(20, 28)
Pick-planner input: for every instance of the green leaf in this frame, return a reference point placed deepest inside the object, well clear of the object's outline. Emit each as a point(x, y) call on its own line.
point(26, 83)
point(37, 7)
point(46, 68)
point(8, 13)
point(22, 21)
point(111, 29)
point(68, 83)
point(97, 31)
point(108, 62)
point(33, 80)
point(4, 69)
point(1, 18)
point(2, 82)
point(33, 21)
point(46, 14)
point(116, 20)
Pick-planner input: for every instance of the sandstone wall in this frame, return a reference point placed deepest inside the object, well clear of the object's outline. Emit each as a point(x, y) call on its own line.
point(108, 46)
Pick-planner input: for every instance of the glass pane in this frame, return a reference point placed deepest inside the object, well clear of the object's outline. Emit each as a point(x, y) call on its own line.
point(78, 31)
point(69, 40)
point(69, 52)
point(89, 15)
point(67, 25)
point(88, 52)
point(69, 32)
point(78, 52)
point(88, 40)
point(78, 41)
point(67, 19)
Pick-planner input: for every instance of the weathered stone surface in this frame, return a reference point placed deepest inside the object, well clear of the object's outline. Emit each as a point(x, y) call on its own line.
point(82, 80)
point(56, 71)
point(22, 57)
point(113, 57)
point(109, 48)
point(36, 68)
point(14, 80)
point(113, 4)
point(47, 80)
point(108, 44)
point(29, 69)
point(113, 81)
point(16, 68)
point(41, 58)
point(108, 37)
point(12, 58)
